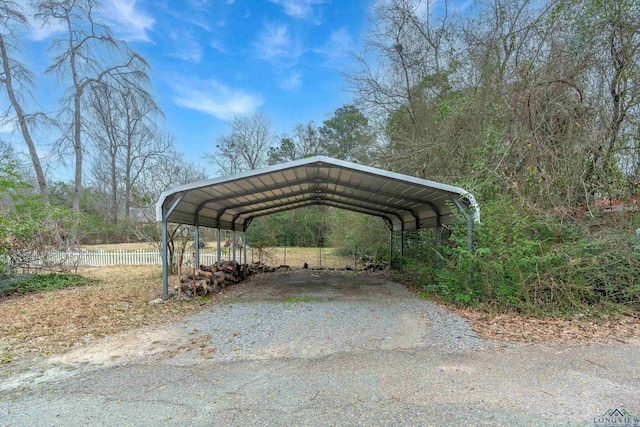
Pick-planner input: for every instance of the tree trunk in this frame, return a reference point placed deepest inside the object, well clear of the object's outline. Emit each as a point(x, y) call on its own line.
point(77, 119)
point(42, 182)
point(127, 175)
point(114, 188)
point(77, 149)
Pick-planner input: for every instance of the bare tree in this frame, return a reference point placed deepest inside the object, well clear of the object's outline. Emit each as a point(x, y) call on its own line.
point(610, 33)
point(17, 79)
point(404, 70)
point(165, 172)
point(105, 135)
point(123, 129)
point(246, 146)
point(89, 55)
point(539, 98)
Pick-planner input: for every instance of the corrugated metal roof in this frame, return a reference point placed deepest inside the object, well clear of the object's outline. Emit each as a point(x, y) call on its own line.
point(232, 202)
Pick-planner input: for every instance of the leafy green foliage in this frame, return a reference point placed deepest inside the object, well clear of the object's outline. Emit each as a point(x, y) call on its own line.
point(346, 135)
point(355, 234)
point(300, 227)
point(537, 264)
point(40, 283)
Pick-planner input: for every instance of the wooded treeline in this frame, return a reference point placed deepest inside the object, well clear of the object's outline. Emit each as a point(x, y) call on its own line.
point(540, 98)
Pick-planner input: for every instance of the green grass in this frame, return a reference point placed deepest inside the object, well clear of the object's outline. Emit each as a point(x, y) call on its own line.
point(29, 283)
point(293, 299)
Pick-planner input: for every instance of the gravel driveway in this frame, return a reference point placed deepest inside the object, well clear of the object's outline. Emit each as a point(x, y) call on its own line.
point(325, 349)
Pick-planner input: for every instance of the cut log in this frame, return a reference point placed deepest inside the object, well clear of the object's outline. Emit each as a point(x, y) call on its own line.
point(204, 273)
point(209, 279)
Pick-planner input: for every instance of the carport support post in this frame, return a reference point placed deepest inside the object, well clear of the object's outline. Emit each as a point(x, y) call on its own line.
point(244, 246)
point(469, 246)
point(219, 248)
point(438, 237)
point(391, 248)
point(165, 258)
point(470, 233)
point(233, 244)
point(402, 247)
point(196, 261)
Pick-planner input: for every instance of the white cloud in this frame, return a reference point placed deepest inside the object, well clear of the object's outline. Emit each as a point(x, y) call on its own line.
point(217, 45)
point(275, 44)
point(204, 25)
point(300, 9)
point(216, 99)
point(187, 48)
point(41, 30)
point(293, 82)
point(337, 48)
point(127, 21)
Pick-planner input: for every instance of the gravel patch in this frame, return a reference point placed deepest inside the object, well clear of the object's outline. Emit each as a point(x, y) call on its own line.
point(329, 313)
point(318, 349)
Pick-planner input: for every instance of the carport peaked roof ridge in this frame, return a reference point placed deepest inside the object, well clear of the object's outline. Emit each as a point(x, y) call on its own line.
point(232, 202)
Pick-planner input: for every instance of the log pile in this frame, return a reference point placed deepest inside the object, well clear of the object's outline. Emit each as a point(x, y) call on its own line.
point(375, 267)
point(211, 279)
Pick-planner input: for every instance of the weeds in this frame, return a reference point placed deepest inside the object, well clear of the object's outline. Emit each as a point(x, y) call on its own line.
point(24, 284)
point(294, 299)
point(538, 265)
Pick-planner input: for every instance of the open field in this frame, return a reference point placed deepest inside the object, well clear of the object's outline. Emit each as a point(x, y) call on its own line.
point(296, 257)
point(293, 256)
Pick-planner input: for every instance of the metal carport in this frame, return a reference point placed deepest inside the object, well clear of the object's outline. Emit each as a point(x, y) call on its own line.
point(232, 202)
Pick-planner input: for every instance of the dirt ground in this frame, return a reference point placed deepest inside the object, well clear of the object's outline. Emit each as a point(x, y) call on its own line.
point(56, 322)
point(317, 348)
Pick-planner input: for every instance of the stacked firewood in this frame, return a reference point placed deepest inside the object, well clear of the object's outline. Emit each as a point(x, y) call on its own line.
point(209, 279)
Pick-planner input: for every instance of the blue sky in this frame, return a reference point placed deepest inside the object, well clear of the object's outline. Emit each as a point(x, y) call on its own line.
point(212, 59)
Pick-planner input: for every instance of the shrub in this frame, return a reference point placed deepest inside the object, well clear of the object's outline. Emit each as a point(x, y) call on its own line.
point(538, 264)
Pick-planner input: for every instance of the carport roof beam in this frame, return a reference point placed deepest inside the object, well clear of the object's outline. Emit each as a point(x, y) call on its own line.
point(415, 202)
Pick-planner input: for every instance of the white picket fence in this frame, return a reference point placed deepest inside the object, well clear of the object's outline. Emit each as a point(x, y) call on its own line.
point(107, 258)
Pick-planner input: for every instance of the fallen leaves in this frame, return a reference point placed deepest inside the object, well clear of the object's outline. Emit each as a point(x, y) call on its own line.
point(512, 327)
point(52, 322)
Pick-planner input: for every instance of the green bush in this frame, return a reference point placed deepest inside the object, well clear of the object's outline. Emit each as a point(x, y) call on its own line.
point(538, 264)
